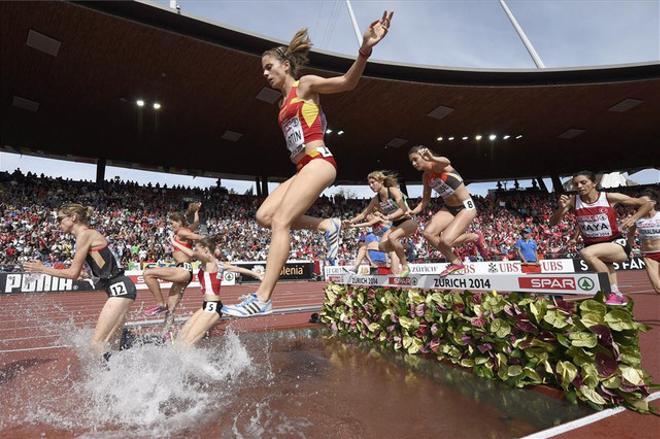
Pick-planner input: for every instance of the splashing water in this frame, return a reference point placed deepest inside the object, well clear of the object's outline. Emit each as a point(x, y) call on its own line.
point(146, 390)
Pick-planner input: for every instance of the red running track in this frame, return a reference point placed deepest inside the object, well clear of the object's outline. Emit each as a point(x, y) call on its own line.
point(27, 342)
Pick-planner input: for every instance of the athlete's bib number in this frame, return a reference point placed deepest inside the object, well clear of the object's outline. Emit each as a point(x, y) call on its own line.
point(293, 134)
point(187, 266)
point(325, 152)
point(621, 241)
point(469, 204)
point(118, 289)
point(595, 226)
point(211, 307)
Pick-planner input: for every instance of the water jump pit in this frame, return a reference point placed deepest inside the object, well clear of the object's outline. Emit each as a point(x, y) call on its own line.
point(294, 383)
point(284, 383)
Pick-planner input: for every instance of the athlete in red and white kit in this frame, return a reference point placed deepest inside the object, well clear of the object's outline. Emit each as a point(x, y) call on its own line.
point(210, 277)
point(649, 236)
point(603, 242)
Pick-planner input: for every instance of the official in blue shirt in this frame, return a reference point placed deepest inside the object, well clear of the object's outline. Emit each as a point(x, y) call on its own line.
point(526, 247)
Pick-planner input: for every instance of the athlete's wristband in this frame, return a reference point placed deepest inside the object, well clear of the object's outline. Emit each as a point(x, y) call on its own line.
point(366, 55)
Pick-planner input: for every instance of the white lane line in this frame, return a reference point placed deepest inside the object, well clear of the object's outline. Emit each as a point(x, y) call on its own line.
point(6, 351)
point(27, 338)
point(578, 423)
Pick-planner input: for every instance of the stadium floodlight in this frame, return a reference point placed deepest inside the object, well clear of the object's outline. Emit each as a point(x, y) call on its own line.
point(439, 139)
point(156, 106)
point(340, 132)
point(140, 103)
point(451, 138)
point(492, 137)
point(328, 131)
point(477, 137)
point(506, 137)
point(519, 136)
point(464, 137)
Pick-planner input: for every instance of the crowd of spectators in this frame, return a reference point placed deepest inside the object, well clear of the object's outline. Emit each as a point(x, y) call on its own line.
point(134, 218)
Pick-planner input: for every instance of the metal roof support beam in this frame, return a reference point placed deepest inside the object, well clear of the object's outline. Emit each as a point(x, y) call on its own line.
point(557, 187)
point(100, 171)
point(356, 28)
point(521, 33)
point(257, 183)
point(541, 183)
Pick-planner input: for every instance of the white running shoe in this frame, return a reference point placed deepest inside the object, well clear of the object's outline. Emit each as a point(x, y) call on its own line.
point(251, 306)
point(332, 241)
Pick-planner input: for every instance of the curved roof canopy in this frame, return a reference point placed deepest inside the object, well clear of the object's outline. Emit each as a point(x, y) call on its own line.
point(72, 72)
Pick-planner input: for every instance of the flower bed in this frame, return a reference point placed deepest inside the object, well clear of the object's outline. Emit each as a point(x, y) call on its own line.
point(589, 350)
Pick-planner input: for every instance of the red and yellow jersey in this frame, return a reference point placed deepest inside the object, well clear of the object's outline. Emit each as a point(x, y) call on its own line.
point(301, 121)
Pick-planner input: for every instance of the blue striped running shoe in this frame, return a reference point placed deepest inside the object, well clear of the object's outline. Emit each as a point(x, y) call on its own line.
point(332, 241)
point(251, 306)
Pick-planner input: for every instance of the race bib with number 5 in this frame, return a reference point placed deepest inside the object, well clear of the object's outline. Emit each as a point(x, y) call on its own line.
point(211, 307)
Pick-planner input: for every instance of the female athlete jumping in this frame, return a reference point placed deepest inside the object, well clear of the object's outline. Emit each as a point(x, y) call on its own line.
point(92, 248)
point(390, 203)
point(181, 275)
point(303, 123)
point(448, 226)
point(210, 277)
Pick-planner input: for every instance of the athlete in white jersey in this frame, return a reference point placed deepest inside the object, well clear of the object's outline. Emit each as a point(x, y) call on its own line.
point(649, 236)
point(596, 218)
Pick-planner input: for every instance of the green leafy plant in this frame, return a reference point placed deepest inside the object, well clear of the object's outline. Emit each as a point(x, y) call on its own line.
point(590, 350)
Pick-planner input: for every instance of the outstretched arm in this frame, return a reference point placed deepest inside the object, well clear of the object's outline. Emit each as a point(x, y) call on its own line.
point(426, 197)
point(240, 270)
point(349, 80)
point(362, 215)
point(83, 244)
point(643, 207)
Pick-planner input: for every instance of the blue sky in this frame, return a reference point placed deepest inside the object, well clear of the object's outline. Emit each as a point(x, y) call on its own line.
point(454, 34)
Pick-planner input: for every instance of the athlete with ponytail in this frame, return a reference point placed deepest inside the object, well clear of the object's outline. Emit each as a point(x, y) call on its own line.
point(448, 226)
point(390, 204)
point(210, 278)
point(303, 124)
point(92, 248)
point(180, 275)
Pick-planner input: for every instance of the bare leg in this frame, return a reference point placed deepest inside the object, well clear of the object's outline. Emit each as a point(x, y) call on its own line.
point(465, 237)
point(150, 278)
point(362, 253)
point(200, 322)
point(110, 321)
point(599, 258)
point(303, 190)
point(653, 271)
point(272, 202)
point(392, 240)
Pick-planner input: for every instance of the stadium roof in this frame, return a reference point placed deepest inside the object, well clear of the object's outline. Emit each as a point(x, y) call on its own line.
point(72, 72)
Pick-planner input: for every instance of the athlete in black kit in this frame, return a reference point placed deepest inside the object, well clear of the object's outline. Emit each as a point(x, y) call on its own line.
point(92, 248)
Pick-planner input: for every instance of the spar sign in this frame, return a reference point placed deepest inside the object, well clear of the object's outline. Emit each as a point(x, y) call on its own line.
point(557, 283)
